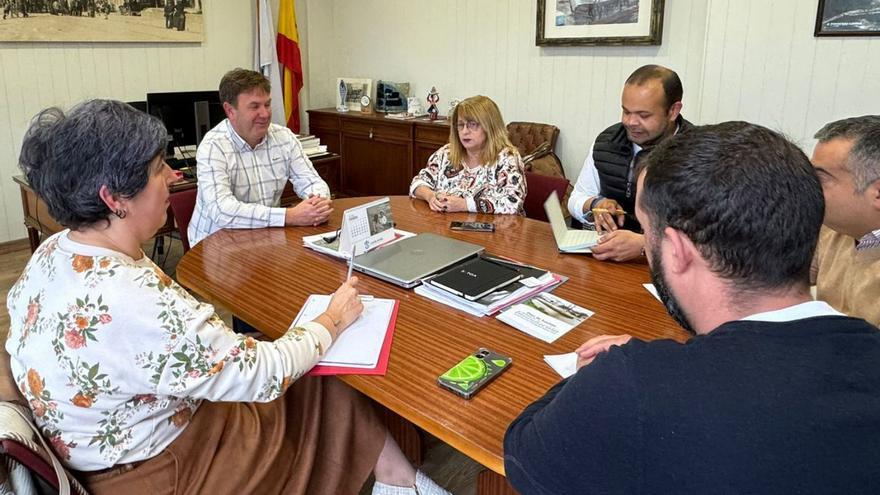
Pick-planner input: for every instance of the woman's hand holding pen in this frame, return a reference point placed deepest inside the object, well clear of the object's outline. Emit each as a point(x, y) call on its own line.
point(344, 308)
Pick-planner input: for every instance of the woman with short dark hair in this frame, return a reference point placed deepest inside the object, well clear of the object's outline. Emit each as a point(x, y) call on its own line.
point(139, 386)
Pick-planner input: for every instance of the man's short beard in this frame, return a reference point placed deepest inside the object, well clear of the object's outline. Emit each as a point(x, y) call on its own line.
point(659, 280)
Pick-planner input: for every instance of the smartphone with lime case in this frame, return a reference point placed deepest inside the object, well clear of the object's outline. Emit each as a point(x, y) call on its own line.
point(473, 372)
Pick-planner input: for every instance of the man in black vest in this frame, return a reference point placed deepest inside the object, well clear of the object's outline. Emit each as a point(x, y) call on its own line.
point(605, 192)
point(775, 393)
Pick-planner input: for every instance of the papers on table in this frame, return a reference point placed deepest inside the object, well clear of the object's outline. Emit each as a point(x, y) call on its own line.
point(364, 345)
point(328, 243)
point(653, 290)
point(564, 364)
point(495, 301)
point(545, 316)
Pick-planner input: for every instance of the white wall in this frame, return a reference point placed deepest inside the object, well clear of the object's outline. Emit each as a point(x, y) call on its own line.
point(739, 59)
point(37, 75)
point(764, 65)
point(755, 60)
point(467, 47)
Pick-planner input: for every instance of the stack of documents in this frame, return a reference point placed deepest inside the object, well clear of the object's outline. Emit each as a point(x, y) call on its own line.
point(311, 146)
point(363, 348)
point(328, 243)
point(533, 282)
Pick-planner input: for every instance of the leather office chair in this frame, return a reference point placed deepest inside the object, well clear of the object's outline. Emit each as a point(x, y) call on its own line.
point(539, 188)
point(527, 136)
point(182, 205)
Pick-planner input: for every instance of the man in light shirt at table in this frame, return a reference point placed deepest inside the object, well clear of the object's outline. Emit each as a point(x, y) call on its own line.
point(244, 163)
point(846, 268)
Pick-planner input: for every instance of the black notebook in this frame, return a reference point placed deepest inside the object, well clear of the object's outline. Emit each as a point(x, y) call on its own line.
point(475, 278)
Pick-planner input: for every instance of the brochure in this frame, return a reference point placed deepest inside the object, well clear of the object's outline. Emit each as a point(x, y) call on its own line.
point(545, 316)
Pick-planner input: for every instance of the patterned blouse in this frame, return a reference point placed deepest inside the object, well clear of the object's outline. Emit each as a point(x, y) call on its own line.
point(114, 357)
point(496, 188)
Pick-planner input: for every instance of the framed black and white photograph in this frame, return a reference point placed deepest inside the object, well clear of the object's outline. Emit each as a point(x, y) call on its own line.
point(848, 18)
point(599, 22)
point(152, 21)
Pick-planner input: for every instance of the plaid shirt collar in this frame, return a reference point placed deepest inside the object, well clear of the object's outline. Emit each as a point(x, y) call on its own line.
point(868, 241)
point(239, 142)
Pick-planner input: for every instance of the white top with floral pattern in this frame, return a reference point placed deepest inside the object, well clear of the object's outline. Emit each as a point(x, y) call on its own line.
point(114, 357)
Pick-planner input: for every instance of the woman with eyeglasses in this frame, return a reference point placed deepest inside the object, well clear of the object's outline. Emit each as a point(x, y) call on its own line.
point(479, 170)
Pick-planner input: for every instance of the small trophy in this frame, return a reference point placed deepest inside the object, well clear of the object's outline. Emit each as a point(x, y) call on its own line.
point(433, 98)
point(343, 94)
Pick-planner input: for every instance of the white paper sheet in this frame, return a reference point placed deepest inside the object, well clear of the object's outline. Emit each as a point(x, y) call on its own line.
point(653, 290)
point(564, 364)
point(360, 344)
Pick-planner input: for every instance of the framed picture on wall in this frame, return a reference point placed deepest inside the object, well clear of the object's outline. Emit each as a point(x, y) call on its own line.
point(848, 18)
point(599, 22)
point(150, 21)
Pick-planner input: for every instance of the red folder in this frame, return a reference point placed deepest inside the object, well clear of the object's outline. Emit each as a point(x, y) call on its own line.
point(381, 366)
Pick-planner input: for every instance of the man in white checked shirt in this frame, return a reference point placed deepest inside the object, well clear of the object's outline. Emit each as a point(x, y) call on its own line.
point(244, 162)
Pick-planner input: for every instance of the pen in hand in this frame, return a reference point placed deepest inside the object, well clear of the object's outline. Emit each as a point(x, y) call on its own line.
point(350, 263)
point(605, 210)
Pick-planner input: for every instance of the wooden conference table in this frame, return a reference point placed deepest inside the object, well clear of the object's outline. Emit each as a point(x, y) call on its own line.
point(265, 275)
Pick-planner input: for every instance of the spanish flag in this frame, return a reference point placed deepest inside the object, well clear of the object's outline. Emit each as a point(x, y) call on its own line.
point(287, 44)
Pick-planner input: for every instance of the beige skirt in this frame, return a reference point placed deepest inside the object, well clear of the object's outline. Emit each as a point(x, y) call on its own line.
point(321, 437)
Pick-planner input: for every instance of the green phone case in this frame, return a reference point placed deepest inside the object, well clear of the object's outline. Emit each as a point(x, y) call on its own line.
point(474, 372)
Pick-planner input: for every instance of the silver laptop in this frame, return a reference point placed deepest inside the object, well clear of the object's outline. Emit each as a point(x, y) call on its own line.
point(406, 262)
point(568, 240)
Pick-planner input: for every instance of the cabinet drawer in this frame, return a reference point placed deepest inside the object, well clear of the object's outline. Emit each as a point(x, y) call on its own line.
point(377, 130)
point(323, 121)
point(432, 133)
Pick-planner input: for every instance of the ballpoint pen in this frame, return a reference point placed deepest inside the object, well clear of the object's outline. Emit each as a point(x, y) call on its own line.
point(605, 210)
point(350, 265)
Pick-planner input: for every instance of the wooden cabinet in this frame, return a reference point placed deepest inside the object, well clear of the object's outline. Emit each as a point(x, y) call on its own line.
point(429, 137)
point(376, 157)
point(379, 156)
point(328, 168)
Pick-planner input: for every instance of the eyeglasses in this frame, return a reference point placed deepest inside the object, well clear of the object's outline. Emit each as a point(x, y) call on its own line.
point(472, 125)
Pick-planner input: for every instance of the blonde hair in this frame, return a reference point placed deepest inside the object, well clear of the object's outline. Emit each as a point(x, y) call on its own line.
point(484, 111)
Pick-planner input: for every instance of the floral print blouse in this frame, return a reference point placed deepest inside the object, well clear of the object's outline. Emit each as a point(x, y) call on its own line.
point(499, 187)
point(114, 357)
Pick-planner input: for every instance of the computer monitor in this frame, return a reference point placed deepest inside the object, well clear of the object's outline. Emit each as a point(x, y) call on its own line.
point(208, 115)
point(178, 111)
point(139, 105)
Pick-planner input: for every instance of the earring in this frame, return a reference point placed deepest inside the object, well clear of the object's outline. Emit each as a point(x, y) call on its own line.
point(120, 213)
